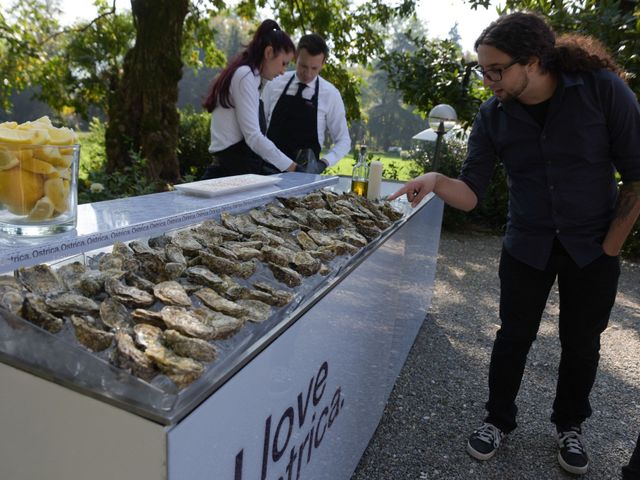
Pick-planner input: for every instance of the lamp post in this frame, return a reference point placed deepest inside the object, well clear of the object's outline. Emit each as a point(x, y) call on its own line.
point(442, 118)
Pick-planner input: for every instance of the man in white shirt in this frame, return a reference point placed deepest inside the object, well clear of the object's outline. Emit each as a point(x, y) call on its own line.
point(301, 106)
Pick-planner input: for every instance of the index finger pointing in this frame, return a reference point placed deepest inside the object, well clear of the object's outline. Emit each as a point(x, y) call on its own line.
point(397, 193)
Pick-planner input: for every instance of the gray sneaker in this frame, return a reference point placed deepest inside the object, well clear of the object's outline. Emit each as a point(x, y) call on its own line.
point(484, 442)
point(572, 455)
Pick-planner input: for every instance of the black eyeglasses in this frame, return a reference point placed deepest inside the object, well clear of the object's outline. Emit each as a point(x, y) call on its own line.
point(494, 74)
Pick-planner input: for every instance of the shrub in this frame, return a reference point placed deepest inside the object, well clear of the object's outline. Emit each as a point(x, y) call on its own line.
point(193, 143)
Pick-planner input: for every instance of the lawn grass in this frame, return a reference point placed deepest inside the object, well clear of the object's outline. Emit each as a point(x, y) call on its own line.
point(390, 164)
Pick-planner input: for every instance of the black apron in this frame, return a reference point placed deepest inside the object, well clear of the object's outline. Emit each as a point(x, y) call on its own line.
point(239, 159)
point(294, 123)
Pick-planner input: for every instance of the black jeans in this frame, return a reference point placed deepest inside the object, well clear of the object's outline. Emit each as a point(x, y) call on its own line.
point(586, 297)
point(632, 471)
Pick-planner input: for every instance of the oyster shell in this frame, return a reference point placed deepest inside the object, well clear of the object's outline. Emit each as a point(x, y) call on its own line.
point(137, 281)
point(305, 264)
point(68, 303)
point(127, 356)
point(354, 238)
point(187, 322)
point(223, 325)
point(220, 304)
point(280, 297)
point(140, 315)
point(321, 238)
point(257, 311)
point(89, 335)
point(11, 299)
point(271, 239)
point(239, 223)
point(139, 247)
point(324, 270)
point(204, 276)
point(277, 210)
point(114, 314)
point(222, 265)
point(209, 226)
point(305, 241)
point(10, 281)
point(172, 293)
point(222, 252)
point(174, 270)
point(130, 296)
point(390, 212)
point(190, 347)
point(285, 275)
point(278, 255)
point(151, 266)
point(245, 253)
point(35, 310)
point(329, 220)
point(313, 201)
point(160, 241)
point(174, 254)
point(40, 279)
point(264, 218)
point(186, 240)
point(291, 202)
point(181, 370)
point(368, 229)
point(147, 336)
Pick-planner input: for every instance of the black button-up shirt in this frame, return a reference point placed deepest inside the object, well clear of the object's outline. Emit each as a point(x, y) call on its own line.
point(560, 175)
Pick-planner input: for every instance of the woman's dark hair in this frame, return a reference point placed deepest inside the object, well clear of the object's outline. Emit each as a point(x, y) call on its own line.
point(314, 44)
point(524, 35)
point(268, 34)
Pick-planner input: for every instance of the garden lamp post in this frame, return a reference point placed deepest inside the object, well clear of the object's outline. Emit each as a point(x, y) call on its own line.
point(442, 118)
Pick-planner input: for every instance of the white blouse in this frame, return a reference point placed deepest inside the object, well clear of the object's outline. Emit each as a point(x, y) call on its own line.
point(231, 125)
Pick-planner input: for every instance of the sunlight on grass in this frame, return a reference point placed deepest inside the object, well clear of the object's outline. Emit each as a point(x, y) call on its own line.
point(390, 164)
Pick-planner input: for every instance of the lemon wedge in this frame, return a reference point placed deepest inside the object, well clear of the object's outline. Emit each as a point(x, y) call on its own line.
point(42, 210)
point(8, 125)
point(37, 166)
point(20, 189)
point(13, 135)
point(7, 160)
point(55, 190)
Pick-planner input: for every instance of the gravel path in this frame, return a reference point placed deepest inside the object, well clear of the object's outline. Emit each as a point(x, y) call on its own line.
point(439, 396)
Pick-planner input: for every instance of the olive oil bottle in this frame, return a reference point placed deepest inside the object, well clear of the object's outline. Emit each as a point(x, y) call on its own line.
point(360, 174)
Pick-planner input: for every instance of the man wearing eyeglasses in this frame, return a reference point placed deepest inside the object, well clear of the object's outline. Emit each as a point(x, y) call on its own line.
point(562, 122)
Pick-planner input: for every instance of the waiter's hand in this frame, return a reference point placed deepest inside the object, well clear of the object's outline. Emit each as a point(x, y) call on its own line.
point(416, 189)
point(313, 166)
point(292, 168)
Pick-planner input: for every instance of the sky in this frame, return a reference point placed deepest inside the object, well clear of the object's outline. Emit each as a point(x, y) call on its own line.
point(439, 16)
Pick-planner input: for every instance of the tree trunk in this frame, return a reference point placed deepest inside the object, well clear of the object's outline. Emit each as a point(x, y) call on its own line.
point(143, 118)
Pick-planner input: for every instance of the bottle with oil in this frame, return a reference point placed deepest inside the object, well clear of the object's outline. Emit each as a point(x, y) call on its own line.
point(360, 175)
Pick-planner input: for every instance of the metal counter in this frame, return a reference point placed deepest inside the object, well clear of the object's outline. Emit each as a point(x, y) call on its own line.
point(304, 398)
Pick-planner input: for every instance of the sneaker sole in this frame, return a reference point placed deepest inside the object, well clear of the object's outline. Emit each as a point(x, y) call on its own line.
point(479, 455)
point(571, 468)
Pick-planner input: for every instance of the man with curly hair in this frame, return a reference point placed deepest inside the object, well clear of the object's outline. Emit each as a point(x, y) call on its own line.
point(562, 121)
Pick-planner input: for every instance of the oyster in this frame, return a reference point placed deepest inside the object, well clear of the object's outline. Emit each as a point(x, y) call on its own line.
point(245, 252)
point(285, 275)
point(186, 240)
point(354, 238)
point(147, 336)
point(127, 356)
point(252, 294)
point(111, 261)
point(321, 238)
point(183, 320)
point(291, 202)
point(223, 325)
point(257, 311)
point(330, 220)
point(305, 264)
point(159, 242)
point(11, 299)
point(222, 265)
point(305, 241)
point(130, 296)
point(40, 279)
point(174, 270)
point(368, 229)
point(277, 210)
point(140, 247)
point(314, 201)
point(151, 266)
point(264, 218)
point(114, 314)
point(67, 273)
point(68, 303)
point(181, 370)
point(172, 293)
point(280, 297)
point(253, 244)
point(140, 315)
point(204, 276)
point(223, 252)
point(324, 270)
point(190, 347)
point(211, 227)
point(278, 255)
point(239, 223)
point(390, 212)
point(10, 281)
point(220, 304)
point(89, 335)
point(137, 281)
point(269, 238)
point(35, 310)
point(173, 253)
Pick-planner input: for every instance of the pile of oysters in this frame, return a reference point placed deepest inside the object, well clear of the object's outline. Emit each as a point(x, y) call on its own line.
point(159, 306)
